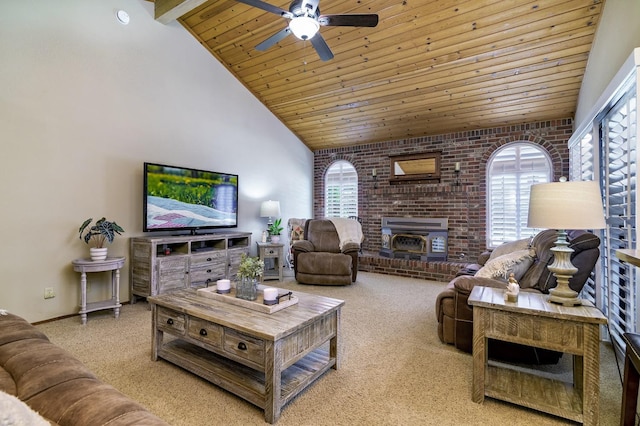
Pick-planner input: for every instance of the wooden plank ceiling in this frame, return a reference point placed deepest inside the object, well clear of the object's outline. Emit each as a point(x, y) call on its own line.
point(429, 67)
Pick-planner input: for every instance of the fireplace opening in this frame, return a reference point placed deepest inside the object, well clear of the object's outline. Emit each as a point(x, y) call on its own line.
point(414, 238)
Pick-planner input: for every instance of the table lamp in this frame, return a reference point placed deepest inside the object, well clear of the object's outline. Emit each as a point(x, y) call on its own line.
point(270, 209)
point(565, 205)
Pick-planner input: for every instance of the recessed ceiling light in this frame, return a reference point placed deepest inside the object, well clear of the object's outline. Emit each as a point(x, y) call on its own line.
point(122, 16)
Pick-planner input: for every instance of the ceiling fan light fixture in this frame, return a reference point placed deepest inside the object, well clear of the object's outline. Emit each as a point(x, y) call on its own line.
point(304, 27)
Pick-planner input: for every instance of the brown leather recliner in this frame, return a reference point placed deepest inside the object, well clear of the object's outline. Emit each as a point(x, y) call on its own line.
point(455, 315)
point(318, 259)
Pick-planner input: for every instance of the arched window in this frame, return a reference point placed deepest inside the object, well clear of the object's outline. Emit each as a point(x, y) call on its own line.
point(341, 190)
point(511, 171)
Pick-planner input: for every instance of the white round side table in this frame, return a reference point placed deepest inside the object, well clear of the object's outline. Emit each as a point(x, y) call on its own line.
point(84, 266)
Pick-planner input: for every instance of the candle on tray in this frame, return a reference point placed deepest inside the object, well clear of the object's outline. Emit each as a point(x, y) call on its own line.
point(270, 295)
point(223, 286)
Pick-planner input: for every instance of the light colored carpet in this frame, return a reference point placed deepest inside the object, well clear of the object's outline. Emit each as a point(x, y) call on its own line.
point(394, 369)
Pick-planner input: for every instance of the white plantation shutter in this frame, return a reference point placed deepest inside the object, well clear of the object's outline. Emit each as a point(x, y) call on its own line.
point(619, 132)
point(582, 165)
point(510, 173)
point(341, 190)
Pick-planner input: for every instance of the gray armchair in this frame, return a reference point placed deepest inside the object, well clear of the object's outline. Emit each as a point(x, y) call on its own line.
point(322, 257)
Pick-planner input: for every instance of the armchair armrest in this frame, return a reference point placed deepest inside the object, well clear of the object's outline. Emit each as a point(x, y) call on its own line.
point(350, 247)
point(464, 284)
point(302, 246)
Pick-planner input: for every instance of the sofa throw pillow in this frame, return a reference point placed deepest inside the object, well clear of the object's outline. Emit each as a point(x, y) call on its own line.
point(510, 247)
point(15, 412)
point(500, 267)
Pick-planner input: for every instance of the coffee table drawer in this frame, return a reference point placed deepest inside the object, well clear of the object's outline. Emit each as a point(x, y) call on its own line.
point(205, 331)
point(170, 321)
point(244, 346)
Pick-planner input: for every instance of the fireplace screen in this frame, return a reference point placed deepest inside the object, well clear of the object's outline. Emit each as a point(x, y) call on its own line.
point(409, 242)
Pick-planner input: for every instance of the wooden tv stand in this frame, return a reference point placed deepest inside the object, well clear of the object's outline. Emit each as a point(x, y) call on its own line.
point(160, 264)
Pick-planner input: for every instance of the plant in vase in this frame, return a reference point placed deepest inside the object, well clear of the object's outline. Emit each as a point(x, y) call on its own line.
point(99, 234)
point(249, 270)
point(274, 230)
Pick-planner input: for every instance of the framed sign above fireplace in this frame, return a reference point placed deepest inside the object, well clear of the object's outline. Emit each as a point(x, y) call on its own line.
point(412, 167)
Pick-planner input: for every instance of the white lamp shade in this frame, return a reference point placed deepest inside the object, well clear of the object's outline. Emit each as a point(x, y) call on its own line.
point(304, 27)
point(566, 205)
point(270, 209)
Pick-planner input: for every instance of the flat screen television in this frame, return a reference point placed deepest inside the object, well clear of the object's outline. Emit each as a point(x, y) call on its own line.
point(185, 199)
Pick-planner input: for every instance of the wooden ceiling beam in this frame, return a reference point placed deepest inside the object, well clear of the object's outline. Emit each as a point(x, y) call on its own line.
point(166, 11)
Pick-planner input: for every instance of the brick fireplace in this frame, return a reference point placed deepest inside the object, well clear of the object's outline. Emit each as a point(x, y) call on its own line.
point(459, 197)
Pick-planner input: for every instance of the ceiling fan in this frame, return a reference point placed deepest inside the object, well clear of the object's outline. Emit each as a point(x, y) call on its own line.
point(306, 21)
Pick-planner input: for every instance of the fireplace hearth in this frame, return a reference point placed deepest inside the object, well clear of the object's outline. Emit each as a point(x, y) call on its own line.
point(415, 238)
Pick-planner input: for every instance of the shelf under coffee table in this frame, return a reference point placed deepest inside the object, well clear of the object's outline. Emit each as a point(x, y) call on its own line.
point(264, 358)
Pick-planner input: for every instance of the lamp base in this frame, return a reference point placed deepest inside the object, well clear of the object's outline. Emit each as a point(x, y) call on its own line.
point(563, 270)
point(563, 300)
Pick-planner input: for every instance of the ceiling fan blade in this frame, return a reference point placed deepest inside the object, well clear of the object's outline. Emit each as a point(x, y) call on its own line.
point(273, 39)
point(353, 20)
point(321, 47)
point(267, 7)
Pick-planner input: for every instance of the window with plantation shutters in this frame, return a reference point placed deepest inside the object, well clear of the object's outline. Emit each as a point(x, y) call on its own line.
point(510, 173)
point(341, 190)
point(618, 133)
point(604, 149)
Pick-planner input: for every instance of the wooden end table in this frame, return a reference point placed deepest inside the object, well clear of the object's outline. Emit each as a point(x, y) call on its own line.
point(533, 321)
point(112, 264)
point(273, 255)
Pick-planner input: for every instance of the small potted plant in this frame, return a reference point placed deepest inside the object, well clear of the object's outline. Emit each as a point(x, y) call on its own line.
point(274, 230)
point(249, 270)
point(101, 232)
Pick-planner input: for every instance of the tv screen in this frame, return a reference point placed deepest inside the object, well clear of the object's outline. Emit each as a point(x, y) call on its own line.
point(180, 198)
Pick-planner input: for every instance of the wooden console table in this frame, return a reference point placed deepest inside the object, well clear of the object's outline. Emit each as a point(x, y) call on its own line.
point(533, 321)
point(112, 264)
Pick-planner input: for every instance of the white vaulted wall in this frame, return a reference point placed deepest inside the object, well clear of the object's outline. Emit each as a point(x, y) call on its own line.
point(84, 101)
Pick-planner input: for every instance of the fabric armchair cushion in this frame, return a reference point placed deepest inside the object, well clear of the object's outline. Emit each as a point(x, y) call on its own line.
point(510, 247)
point(295, 230)
point(586, 252)
point(516, 262)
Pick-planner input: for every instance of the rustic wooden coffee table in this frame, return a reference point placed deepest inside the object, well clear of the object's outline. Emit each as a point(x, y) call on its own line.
point(533, 321)
point(265, 358)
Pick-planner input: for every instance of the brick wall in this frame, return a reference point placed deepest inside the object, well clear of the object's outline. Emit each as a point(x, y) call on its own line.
point(463, 205)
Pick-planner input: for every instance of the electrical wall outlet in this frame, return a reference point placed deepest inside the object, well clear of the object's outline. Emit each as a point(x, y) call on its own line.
point(49, 293)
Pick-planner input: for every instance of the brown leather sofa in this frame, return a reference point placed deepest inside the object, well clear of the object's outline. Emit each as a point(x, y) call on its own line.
point(56, 385)
point(455, 315)
point(318, 258)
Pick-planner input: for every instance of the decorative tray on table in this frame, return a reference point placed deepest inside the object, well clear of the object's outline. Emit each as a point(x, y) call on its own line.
point(256, 305)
